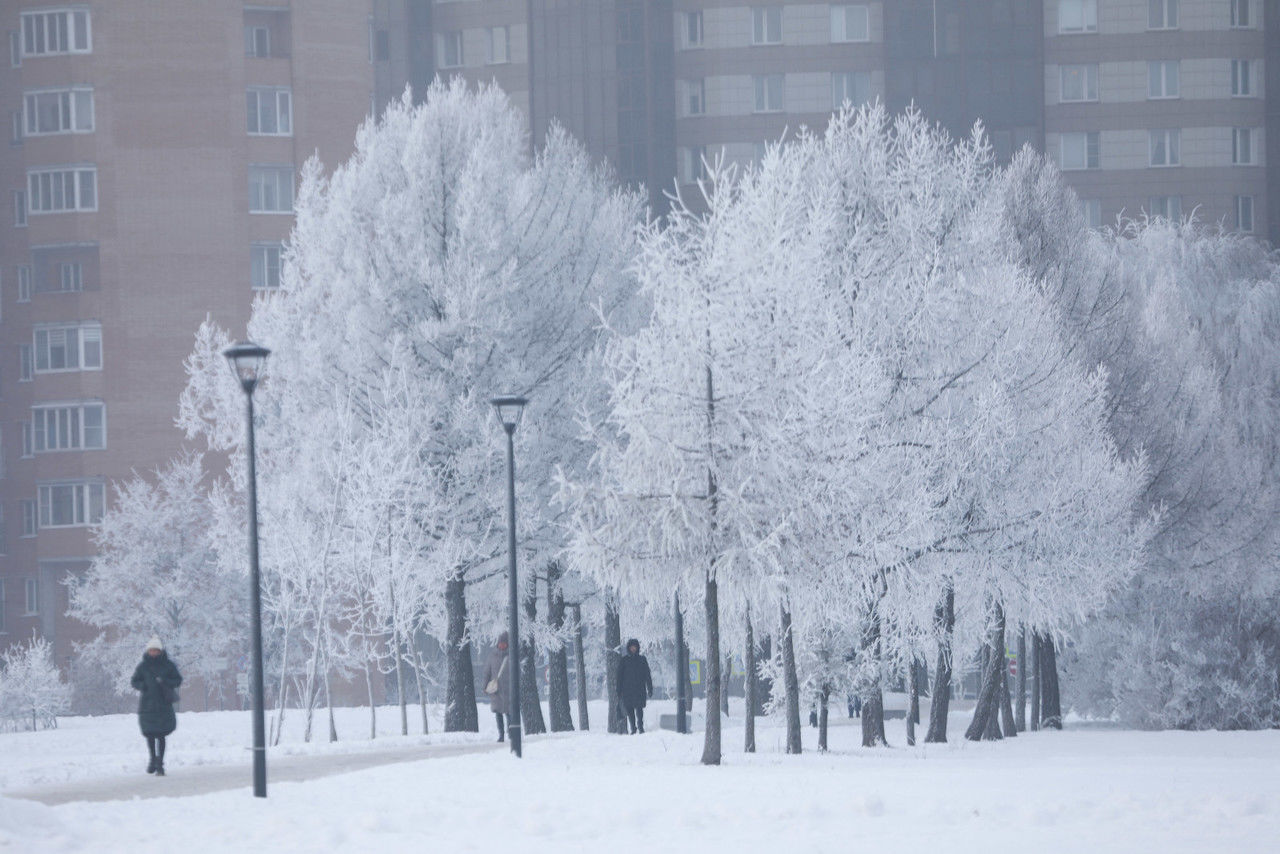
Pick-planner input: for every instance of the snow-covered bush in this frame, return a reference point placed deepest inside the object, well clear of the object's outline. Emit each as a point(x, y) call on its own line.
point(32, 690)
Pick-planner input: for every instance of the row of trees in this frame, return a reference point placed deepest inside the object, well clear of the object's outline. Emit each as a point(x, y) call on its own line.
point(875, 399)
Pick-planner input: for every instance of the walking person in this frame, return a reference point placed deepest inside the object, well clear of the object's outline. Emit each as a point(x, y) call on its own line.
point(635, 685)
point(158, 679)
point(497, 683)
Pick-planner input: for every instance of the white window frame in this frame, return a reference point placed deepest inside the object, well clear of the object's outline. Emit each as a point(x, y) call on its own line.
point(44, 343)
point(764, 21)
point(277, 101)
point(60, 427)
point(31, 596)
point(251, 46)
point(691, 33)
point(1088, 17)
point(1089, 86)
point(19, 208)
point(70, 277)
point(88, 503)
point(1092, 144)
point(1241, 15)
point(841, 15)
point(691, 163)
point(26, 363)
point(693, 97)
point(15, 134)
point(73, 102)
point(15, 48)
point(1168, 207)
point(1164, 79)
point(1170, 141)
point(1243, 147)
point(1092, 211)
point(47, 190)
point(770, 93)
point(1244, 214)
point(842, 81)
point(70, 21)
point(445, 41)
point(260, 259)
point(1241, 78)
point(30, 525)
point(24, 283)
point(28, 440)
point(494, 56)
point(1163, 14)
point(261, 178)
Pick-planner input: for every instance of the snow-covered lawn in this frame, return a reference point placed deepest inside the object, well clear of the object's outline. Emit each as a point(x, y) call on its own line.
point(1082, 790)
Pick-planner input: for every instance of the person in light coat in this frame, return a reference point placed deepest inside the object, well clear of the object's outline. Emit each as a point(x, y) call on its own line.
point(498, 678)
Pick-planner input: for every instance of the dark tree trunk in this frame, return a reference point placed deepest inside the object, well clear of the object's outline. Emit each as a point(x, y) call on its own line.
point(685, 677)
point(1020, 707)
point(580, 664)
point(711, 744)
point(940, 703)
point(530, 707)
point(872, 693)
point(749, 691)
point(823, 698)
point(558, 656)
point(1036, 681)
point(1051, 701)
point(725, 675)
point(913, 705)
point(1006, 706)
point(764, 684)
point(612, 655)
point(460, 691)
point(985, 723)
point(791, 683)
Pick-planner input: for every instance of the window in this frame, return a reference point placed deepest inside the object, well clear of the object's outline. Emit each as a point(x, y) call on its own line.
point(265, 266)
point(1240, 13)
point(68, 348)
point(270, 112)
point(851, 86)
point(1162, 79)
point(4, 549)
point(850, 24)
point(692, 29)
point(1240, 78)
point(62, 189)
point(24, 283)
point(1077, 16)
point(31, 599)
point(768, 93)
point(28, 440)
point(499, 46)
point(1169, 207)
point(1078, 82)
point(58, 111)
point(270, 189)
point(66, 505)
point(69, 428)
point(1164, 147)
point(28, 518)
point(24, 363)
point(766, 25)
point(382, 46)
point(19, 208)
point(1244, 213)
point(1242, 146)
point(70, 277)
point(15, 49)
point(692, 163)
point(51, 32)
point(15, 124)
point(449, 49)
point(257, 41)
point(1162, 14)
point(1081, 150)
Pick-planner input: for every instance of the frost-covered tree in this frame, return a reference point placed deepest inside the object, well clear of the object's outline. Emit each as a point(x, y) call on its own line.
point(32, 690)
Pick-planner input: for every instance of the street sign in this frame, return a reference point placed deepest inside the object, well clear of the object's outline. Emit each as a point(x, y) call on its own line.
point(695, 671)
point(1013, 667)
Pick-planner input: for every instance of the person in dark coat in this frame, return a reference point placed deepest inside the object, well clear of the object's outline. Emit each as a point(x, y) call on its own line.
point(635, 685)
point(497, 677)
point(158, 679)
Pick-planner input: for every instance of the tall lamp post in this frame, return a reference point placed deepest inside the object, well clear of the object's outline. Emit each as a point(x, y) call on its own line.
point(510, 407)
point(246, 361)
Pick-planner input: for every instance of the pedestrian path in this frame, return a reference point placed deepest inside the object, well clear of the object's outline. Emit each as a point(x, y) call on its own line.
point(203, 779)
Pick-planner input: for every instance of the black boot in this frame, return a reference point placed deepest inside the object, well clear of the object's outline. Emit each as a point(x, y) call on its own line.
point(151, 765)
point(159, 768)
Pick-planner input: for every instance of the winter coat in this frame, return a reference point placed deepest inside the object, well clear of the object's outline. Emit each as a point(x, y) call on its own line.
point(499, 702)
point(635, 684)
point(155, 712)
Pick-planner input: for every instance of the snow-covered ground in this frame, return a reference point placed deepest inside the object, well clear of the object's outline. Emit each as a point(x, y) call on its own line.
point(1085, 789)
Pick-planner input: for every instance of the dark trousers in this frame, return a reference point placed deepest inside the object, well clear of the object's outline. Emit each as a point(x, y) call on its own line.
point(155, 747)
point(502, 730)
point(635, 718)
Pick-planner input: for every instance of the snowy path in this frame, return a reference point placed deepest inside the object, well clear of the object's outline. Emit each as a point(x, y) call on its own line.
point(202, 780)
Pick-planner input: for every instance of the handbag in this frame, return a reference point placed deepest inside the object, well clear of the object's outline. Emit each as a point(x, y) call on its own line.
point(170, 694)
point(492, 687)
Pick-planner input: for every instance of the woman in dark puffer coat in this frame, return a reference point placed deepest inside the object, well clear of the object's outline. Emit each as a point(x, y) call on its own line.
point(158, 679)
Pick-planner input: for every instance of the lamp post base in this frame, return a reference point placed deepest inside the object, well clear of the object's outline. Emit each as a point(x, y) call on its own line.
point(513, 733)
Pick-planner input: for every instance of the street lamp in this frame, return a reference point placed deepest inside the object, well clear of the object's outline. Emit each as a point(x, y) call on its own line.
point(510, 407)
point(246, 361)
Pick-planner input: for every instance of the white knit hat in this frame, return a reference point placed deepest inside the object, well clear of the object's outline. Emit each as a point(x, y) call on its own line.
point(154, 643)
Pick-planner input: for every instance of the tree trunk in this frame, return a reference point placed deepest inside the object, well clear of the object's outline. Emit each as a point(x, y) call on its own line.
point(404, 701)
point(1006, 706)
point(417, 676)
point(823, 697)
point(580, 664)
point(725, 676)
point(913, 705)
point(1036, 681)
point(711, 743)
point(764, 684)
point(1020, 707)
point(558, 656)
point(749, 692)
point(373, 709)
point(872, 693)
point(530, 706)
point(328, 698)
point(791, 683)
point(1051, 700)
point(988, 705)
point(460, 690)
point(612, 655)
point(944, 618)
